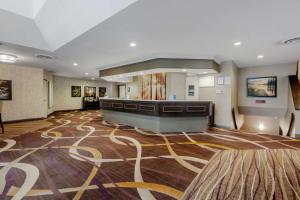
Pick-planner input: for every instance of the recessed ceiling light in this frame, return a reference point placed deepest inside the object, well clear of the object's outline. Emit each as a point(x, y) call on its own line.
point(237, 43)
point(141, 73)
point(75, 64)
point(93, 78)
point(260, 56)
point(132, 44)
point(184, 70)
point(86, 73)
point(8, 58)
point(204, 72)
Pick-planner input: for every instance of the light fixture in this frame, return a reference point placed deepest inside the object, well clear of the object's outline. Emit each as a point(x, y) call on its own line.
point(141, 73)
point(237, 43)
point(86, 73)
point(132, 44)
point(43, 56)
point(120, 75)
point(93, 78)
point(204, 72)
point(260, 56)
point(261, 127)
point(184, 70)
point(8, 58)
point(75, 64)
point(291, 40)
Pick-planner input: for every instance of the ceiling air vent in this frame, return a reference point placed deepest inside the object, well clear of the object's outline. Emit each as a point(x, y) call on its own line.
point(292, 41)
point(43, 56)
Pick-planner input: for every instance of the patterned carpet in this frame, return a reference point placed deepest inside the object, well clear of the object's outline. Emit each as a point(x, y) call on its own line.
point(79, 156)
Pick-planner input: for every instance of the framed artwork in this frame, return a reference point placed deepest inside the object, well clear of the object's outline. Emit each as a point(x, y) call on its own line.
point(5, 90)
point(191, 90)
point(159, 86)
point(147, 87)
point(154, 86)
point(262, 87)
point(207, 81)
point(89, 91)
point(76, 91)
point(220, 80)
point(102, 91)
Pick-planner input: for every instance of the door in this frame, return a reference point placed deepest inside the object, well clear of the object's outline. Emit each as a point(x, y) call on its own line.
point(122, 91)
point(45, 97)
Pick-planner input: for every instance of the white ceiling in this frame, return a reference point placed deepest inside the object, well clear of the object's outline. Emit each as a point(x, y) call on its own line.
point(97, 34)
point(26, 8)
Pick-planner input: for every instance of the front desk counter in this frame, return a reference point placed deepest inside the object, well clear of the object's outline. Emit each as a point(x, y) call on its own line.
point(159, 116)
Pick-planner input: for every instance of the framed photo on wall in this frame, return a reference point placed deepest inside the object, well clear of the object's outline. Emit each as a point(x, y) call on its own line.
point(89, 91)
point(262, 87)
point(76, 91)
point(191, 90)
point(207, 81)
point(5, 90)
point(102, 91)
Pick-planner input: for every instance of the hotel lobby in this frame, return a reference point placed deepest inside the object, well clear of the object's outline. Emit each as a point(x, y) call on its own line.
point(150, 100)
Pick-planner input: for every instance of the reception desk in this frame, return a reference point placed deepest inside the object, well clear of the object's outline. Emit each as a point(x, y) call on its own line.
point(159, 116)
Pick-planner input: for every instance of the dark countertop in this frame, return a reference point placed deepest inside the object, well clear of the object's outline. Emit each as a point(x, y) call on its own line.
point(159, 108)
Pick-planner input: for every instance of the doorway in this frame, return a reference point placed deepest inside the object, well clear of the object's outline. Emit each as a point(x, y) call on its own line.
point(122, 91)
point(45, 96)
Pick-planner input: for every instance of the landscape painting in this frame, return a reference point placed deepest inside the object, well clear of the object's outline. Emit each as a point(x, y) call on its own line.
point(5, 90)
point(76, 91)
point(89, 91)
point(262, 87)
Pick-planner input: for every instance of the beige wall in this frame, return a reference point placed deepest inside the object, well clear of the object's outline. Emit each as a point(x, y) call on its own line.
point(223, 96)
point(62, 92)
point(276, 110)
point(27, 92)
point(135, 88)
point(281, 71)
point(192, 80)
point(175, 85)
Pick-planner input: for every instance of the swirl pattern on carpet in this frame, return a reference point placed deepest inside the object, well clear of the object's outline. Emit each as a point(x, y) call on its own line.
point(80, 156)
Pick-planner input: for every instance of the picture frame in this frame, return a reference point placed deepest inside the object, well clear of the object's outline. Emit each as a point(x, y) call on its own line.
point(76, 91)
point(89, 91)
point(191, 90)
point(262, 87)
point(220, 80)
point(206, 81)
point(102, 91)
point(5, 90)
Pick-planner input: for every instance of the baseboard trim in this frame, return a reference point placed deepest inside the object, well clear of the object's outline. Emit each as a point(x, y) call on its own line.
point(23, 120)
point(66, 110)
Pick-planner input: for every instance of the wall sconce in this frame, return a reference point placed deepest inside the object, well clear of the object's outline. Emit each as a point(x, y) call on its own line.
point(261, 127)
